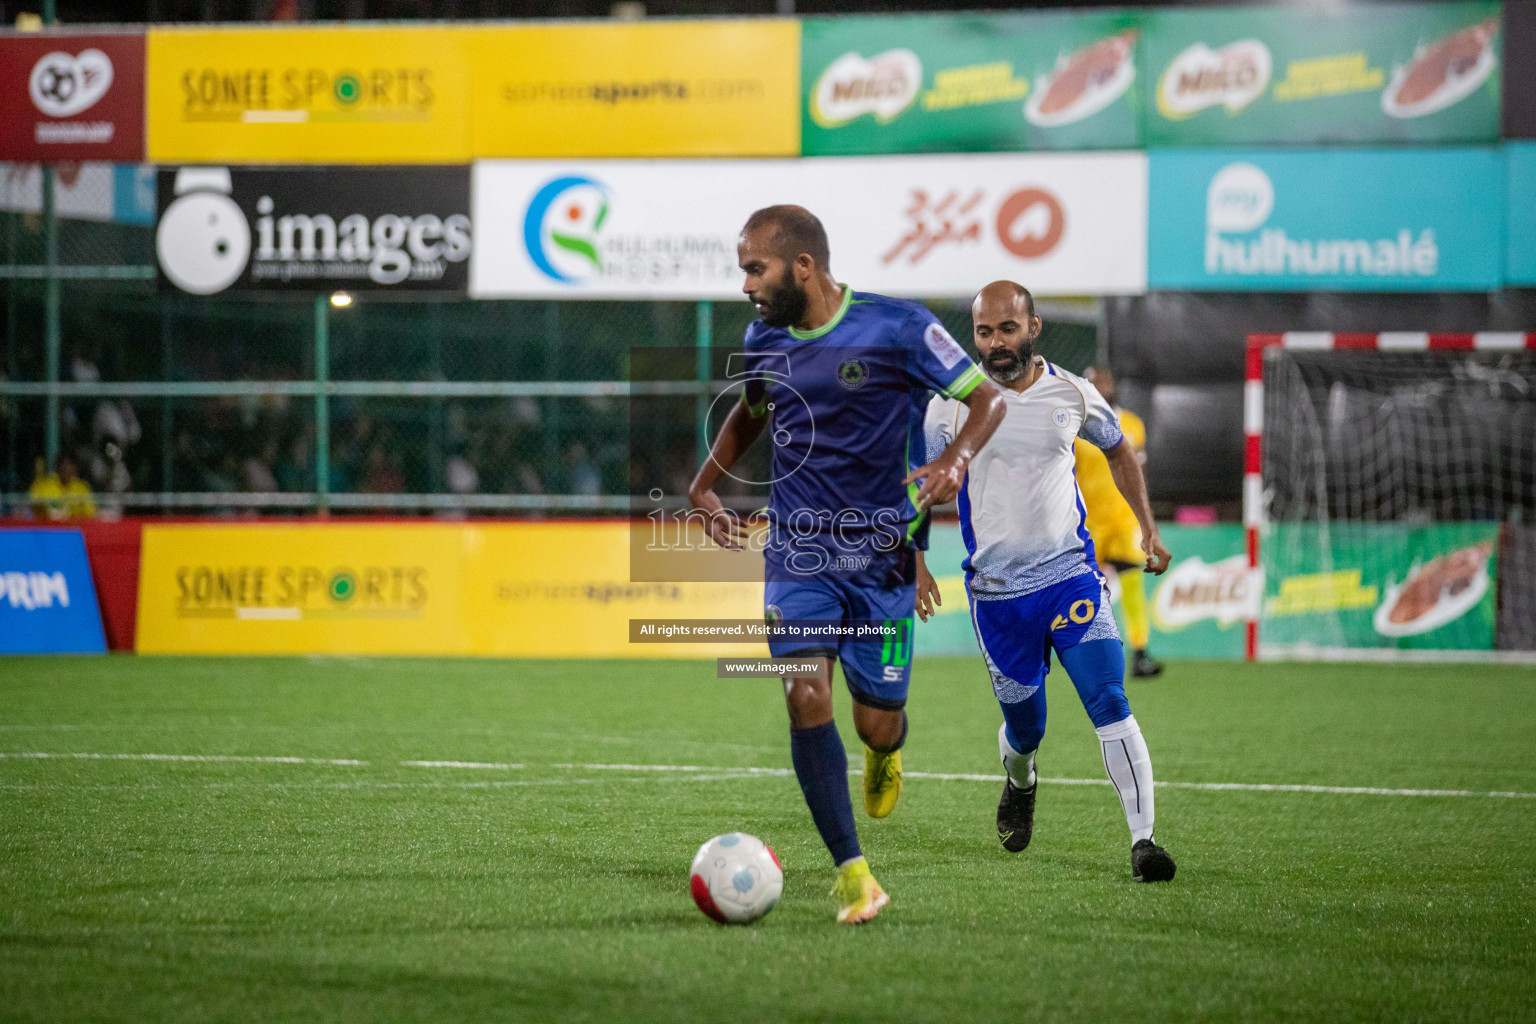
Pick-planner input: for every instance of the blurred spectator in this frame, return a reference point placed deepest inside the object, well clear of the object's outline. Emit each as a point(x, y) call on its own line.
point(294, 471)
point(380, 473)
point(225, 477)
point(107, 469)
point(583, 474)
point(83, 368)
point(259, 473)
point(339, 479)
point(61, 495)
point(461, 475)
point(116, 421)
point(458, 423)
point(188, 462)
point(526, 481)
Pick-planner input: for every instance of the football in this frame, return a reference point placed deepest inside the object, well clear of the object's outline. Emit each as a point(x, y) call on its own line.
point(736, 878)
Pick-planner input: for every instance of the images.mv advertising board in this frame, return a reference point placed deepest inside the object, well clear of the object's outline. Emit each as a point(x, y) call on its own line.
point(314, 229)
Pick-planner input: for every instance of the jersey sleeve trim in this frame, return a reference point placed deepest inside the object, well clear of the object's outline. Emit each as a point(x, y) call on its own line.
point(965, 383)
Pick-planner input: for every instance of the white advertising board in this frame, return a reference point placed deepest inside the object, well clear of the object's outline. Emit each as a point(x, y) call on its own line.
point(919, 227)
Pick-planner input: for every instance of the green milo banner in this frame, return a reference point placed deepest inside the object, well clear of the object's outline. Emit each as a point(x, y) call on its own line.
point(1343, 585)
point(969, 83)
point(1200, 606)
point(1303, 74)
point(1197, 608)
point(1384, 585)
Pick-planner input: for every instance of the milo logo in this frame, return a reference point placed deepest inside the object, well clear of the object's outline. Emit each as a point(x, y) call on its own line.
point(1199, 77)
point(851, 86)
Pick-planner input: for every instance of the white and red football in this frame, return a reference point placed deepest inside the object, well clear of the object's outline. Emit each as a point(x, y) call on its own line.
point(736, 878)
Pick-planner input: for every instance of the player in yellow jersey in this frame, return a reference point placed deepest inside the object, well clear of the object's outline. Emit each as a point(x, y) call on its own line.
point(1112, 524)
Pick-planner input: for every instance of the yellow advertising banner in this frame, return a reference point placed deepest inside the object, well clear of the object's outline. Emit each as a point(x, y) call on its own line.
point(670, 88)
point(554, 590)
point(367, 95)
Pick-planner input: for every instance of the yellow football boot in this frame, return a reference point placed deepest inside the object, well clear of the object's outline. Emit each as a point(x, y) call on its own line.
point(859, 897)
point(882, 782)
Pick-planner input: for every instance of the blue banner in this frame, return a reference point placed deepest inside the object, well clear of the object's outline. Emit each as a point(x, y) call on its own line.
point(1326, 220)
point(1520, 234)
point(47, 600)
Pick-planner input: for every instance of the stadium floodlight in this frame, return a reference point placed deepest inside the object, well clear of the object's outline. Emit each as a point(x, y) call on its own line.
point(1389, 495)
point(341, 300)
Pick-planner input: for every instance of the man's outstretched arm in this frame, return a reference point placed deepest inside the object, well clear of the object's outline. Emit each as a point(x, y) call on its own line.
point(736, 435)
point(942, 477)
point(1125, 467)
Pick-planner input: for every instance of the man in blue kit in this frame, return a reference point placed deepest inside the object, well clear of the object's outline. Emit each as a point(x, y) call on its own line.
point(844, 378)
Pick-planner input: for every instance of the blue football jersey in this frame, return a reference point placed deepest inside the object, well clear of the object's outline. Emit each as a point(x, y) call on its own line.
point(846, 405)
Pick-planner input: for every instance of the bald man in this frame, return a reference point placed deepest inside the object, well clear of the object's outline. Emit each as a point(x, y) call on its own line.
point(1030, 573)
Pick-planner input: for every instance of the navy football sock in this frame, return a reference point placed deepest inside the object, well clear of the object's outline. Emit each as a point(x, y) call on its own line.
point(821, 765)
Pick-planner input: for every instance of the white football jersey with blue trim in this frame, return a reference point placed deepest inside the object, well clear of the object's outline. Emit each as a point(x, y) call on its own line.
point(1021, 513)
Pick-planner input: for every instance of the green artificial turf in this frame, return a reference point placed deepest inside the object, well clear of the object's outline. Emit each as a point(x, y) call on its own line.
point(209, 891)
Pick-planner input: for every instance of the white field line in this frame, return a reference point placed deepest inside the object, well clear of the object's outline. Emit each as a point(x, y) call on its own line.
point(33, 755)
point(710, 773)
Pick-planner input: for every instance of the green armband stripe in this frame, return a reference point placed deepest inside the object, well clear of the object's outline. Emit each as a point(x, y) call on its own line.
point(755, 411)
point(965, 383)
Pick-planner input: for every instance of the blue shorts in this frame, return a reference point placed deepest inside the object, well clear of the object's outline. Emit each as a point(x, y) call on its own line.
point(877, 673)
point(1017, 634)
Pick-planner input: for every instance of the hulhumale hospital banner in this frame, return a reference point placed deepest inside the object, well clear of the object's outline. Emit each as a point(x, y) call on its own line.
point(969, 83)
point(1294, 74)
point(1368, 220)
point(919, 226)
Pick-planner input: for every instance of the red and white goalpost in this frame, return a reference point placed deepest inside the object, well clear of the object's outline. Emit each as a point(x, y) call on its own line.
point(1412, 379)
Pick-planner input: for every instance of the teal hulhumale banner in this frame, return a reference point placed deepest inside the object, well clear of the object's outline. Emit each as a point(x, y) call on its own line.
point(1520, 221)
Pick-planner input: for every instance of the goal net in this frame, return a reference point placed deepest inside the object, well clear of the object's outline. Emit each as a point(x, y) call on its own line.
point(1390, 495)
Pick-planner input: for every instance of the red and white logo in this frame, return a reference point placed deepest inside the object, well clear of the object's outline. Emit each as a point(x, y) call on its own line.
point(63, 85)
point(1029, 223)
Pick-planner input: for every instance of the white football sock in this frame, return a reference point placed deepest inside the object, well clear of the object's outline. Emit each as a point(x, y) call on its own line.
point(1019, 766)
point(1130, 769)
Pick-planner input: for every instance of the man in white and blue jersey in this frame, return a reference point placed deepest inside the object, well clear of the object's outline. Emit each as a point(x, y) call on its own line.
point(1030, 572)
point(842, 380)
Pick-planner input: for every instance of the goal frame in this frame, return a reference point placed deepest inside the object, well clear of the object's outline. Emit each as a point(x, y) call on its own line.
point(1253, 422)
